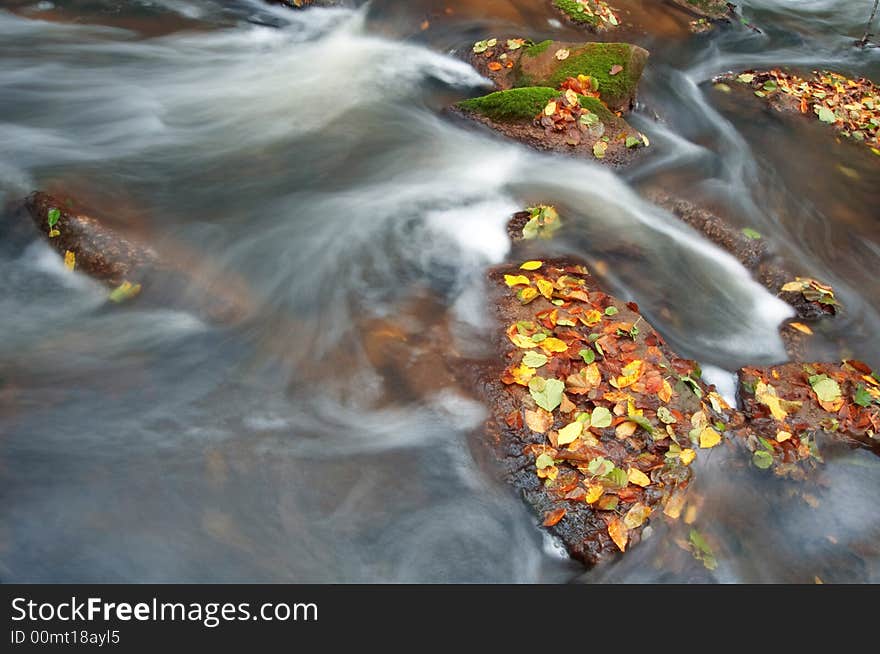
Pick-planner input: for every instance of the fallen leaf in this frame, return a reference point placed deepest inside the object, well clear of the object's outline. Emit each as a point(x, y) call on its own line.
point(531, 265)
point(619, 533)
point(594, 492)
point(600, 418)
point(687, 456)
point(534, 359)
point(495, 66)
point(547, 393)
point(636, 516)
point(539, 420)
point(562, 54)
point(554, 517)
point(709, 438)
point(570, 433)
point(616, 68)
point(801, 327)
point(638, 477)
point(125, 291)
point(69, 260)
point(516, 280)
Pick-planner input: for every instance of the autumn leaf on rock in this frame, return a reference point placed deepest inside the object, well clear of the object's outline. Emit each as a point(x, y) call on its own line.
point(539, 420)
point(619, 533)
point(547, 393)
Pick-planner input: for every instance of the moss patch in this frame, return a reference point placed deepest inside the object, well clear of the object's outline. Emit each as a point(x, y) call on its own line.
point(538, 48)
point(514, 105)
point(575, 11)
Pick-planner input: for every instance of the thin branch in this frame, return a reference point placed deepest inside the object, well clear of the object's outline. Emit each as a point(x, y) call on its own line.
point(867, 37)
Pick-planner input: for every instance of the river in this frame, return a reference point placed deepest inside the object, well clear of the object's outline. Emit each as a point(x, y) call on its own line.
point(306, 154)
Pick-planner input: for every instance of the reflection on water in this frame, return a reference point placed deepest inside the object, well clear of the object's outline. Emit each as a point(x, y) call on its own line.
point(329, 437)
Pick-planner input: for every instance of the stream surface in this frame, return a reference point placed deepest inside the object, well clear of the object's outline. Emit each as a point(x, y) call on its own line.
point(306, 155)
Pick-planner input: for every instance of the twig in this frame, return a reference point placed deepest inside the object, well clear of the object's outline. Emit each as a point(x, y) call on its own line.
point(863, 42)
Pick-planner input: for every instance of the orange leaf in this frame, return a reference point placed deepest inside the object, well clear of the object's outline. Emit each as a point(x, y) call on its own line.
point(554, 517)
point(619, 533)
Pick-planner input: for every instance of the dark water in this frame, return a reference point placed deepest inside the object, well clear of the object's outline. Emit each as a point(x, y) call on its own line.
point(304, 156)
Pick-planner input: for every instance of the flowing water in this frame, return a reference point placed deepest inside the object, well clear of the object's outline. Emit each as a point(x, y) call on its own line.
point(306, 155)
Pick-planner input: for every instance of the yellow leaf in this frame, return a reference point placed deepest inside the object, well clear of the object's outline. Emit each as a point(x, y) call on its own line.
point(674, 505)
point(801, 327)
point(562, 54)
point(594, 492)
point(539, 420)
point(527, 294)
point(550, 109)
point(709, 438)
point(522, 374)
point(665, 393)
point(520, 340)
point(636, 516)
point(782, 436)
point(572, 97)
point(619, 533)
point(690, 515)
point(570, 432)
point(551, 344)
point(516, 280)
point(687, 456)
point(531, 265)
point(593, 317)
point(545, 288)
point(766, 395)
point(69, 260)
point(631, 373)
point(638, 478)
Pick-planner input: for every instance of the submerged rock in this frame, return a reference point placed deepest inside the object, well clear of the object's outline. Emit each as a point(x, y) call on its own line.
point(126, 265)
point(789, 406)
point(594, 420)
point(811, 300)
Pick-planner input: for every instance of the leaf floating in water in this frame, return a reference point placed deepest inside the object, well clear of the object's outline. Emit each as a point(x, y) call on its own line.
point(701, 550)
point(125, 291)
point(748, 232)
point(762, 459)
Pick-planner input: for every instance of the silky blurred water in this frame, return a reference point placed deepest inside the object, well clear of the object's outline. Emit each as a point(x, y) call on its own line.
point(305, 155)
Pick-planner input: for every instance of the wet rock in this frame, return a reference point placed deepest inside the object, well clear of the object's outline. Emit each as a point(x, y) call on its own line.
point(100, 252)
point(583, 128)
point(304, 4)
point(712, 9)
point(176, 278)
point(512, 63)
point(595, 15)
point(594, 420)
point(767, 267)
point(790, 406)
point(850, 106)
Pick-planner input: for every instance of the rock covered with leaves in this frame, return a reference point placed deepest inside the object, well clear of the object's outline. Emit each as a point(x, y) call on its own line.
point(851, 106)
point(595, 420)
point(595, 15)
point(789, 406)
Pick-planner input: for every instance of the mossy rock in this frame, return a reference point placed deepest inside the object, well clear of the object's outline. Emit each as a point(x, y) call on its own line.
point(523, 104)
point(539, 66)
point(576, 13)
point(713, 9)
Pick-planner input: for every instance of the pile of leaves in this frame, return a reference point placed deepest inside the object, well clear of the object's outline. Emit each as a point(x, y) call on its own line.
point(821, 295)
point(543, 222)
point(788, 405)
point(851, 105)
point(567, 114)
point(499, 52)
point(618, 419)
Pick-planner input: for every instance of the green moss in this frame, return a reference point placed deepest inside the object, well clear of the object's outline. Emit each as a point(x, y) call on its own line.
point(514, 105)
point(575, 12)
point(596, 60)
point(537, 48)
point(597, 107)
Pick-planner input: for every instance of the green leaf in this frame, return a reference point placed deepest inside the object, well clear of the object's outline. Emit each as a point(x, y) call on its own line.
point(612, 311)
point(534, 359)
point(544, 460)
point(54, 216)
point(633, 142)
point(666, 416)
point(600, 466)
point(587, 355)
point(825, 388)
point(617, 477)
point(751, 233)
point(125, 291)
point(702, 551)
point(601, 418)
point(762, 459)
point(547, 392)
point(642, 422)
point(746, 78)
point(770, 85)
point(826, 115)
point(862, 397)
